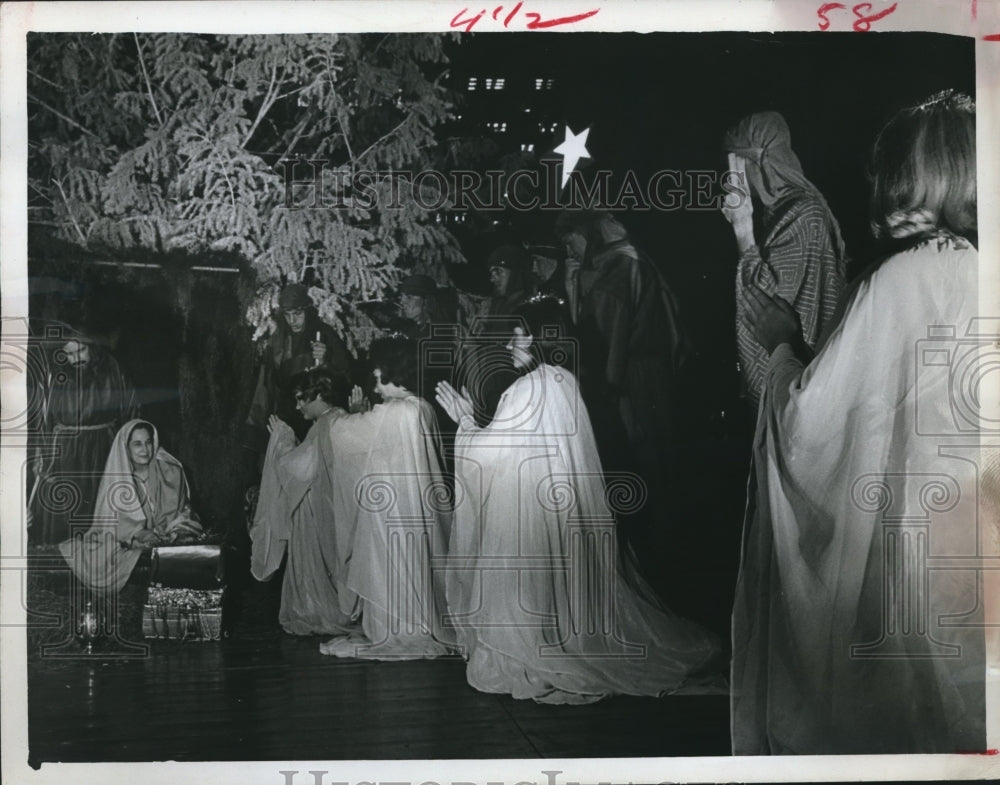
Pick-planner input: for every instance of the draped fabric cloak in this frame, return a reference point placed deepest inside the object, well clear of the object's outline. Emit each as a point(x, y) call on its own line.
point(857, 625)
point(628, 318)
point(298, 513)
point(388, 482)
point(544, 607)
point(799, 254)
point(103, 557)
point(85, 407)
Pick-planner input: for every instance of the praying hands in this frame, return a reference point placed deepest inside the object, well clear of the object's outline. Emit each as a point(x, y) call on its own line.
point(456, 405)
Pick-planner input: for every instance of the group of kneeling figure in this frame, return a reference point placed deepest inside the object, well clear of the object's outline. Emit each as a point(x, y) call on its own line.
point(513, 561)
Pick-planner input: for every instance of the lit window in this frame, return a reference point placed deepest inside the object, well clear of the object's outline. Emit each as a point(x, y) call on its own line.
point(488, 84)
point(549, 83)
point(527, 148)
point(498, 126)
point(472, 83)
point(544, 83)
point(499, 84)
point(539, 84)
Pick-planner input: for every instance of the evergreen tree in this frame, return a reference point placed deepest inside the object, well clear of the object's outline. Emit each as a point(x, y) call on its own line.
point(177, 142)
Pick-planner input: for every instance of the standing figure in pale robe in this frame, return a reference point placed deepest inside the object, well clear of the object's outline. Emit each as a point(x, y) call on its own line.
point(299, 512)
point(545, 604)
point(858, 619)
point(389, 476)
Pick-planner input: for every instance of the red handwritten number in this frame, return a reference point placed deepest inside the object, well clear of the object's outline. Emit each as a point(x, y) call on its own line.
point(512, 14)
point(469, 22)
point(864, 19)
point(537, 23)
point(824, 23)
point(863, 25)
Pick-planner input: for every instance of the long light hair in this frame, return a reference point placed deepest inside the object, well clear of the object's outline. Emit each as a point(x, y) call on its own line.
point(923, 170)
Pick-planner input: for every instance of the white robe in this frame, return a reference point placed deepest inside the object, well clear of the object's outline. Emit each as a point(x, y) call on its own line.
point(544, 607)
point(297, 513)
point(389, 481)
point(862, 534)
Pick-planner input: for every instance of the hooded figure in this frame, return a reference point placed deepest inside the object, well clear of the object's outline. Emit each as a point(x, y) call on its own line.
point(142, 501)
point(791, 246)
point(632, 349)
point(86, 400)
point(299, 342)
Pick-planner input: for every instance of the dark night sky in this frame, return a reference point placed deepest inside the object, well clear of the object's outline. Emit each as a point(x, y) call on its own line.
point(663, 100)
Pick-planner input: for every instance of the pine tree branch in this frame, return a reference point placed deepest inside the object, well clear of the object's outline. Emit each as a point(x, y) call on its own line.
point(229, 183)
point(145, 75)
point(341, 123)
point(299, 130)
point(79, 231)
point(381, 139)
point(378, 46)
point(265, 107)
point(43, 79)
point(60, 115)
point(40, 192)
point(296, 90)
point(343, 131)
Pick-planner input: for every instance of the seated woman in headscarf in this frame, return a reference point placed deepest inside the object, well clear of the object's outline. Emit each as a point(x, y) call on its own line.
point(388, 481)
point(297, 511)
point(142, 502)
point(545, 605)
point(788, 240)
point(858, 625)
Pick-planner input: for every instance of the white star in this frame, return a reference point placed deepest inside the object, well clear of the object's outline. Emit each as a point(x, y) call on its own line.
point(573, 148)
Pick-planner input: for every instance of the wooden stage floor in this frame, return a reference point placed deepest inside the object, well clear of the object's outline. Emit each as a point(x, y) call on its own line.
point(280, 699)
